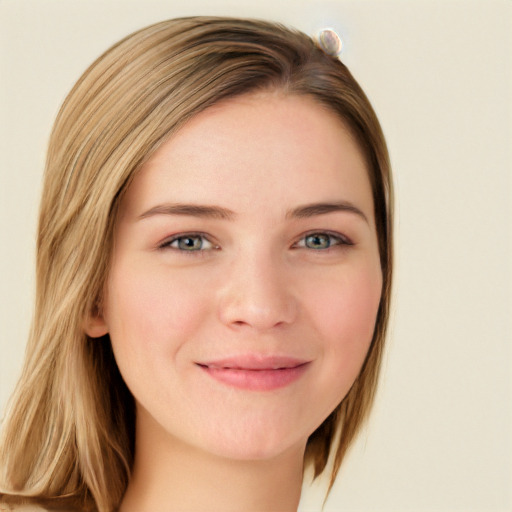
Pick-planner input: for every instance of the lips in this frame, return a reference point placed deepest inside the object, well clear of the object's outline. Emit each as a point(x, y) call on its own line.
point(256, 373)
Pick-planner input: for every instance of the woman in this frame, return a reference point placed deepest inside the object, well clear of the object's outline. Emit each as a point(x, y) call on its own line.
point(213, 276)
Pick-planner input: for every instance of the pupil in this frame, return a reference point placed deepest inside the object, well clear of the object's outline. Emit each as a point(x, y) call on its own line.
point(317, 241)
point(190, 243)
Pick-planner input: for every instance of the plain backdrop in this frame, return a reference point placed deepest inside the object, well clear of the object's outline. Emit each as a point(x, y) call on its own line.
point(439, 75)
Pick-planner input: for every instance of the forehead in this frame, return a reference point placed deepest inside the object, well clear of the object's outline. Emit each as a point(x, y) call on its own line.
point(271, 148)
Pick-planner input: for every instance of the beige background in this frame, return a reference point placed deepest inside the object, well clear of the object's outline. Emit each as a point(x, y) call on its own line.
point(440, 77)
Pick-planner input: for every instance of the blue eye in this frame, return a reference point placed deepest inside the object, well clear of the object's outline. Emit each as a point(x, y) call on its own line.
point(318, 241)
point(321, 241)
point(188, 243)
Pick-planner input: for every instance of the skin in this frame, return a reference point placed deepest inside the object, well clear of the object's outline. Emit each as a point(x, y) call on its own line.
point(257, 285)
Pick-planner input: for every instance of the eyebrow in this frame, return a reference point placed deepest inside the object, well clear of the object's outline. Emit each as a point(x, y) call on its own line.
point(311, 210)
point(218, 212)
point(193, 210)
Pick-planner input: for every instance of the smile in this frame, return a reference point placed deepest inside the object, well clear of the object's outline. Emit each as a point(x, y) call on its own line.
point(255, 373)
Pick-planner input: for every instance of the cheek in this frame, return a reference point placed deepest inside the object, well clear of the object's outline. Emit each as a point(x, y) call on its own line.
point(346, 314)
point(152, 311)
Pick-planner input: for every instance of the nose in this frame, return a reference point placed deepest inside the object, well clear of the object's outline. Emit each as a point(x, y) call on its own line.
point(257, 293)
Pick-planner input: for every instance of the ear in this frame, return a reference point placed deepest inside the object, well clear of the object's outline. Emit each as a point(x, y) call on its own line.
point(95, 325)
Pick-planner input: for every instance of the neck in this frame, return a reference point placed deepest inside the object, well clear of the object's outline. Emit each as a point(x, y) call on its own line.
point(171, 475)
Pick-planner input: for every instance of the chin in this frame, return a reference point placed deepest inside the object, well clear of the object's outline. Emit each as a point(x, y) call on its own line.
point(257, 444)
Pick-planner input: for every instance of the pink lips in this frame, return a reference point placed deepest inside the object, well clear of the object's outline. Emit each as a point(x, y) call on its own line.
point(256, 373)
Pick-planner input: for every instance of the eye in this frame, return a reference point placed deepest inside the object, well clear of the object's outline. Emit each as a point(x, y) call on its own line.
point(321, 241)
point(190, 242)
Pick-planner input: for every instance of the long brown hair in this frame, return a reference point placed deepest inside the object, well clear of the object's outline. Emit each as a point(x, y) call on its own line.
point(68, 437)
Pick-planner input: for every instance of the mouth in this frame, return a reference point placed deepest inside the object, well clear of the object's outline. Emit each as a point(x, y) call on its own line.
point(256, 373)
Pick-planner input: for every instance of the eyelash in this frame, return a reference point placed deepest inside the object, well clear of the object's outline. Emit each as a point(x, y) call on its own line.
point(167, 244)
point(334, 240)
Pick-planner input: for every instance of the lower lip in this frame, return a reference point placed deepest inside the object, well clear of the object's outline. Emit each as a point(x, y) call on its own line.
point(256, 380)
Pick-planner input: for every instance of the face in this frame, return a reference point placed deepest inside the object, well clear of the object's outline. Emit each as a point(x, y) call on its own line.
point(245, 277)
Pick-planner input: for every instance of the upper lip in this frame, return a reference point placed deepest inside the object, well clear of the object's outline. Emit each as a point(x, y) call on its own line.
point(255, 362)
